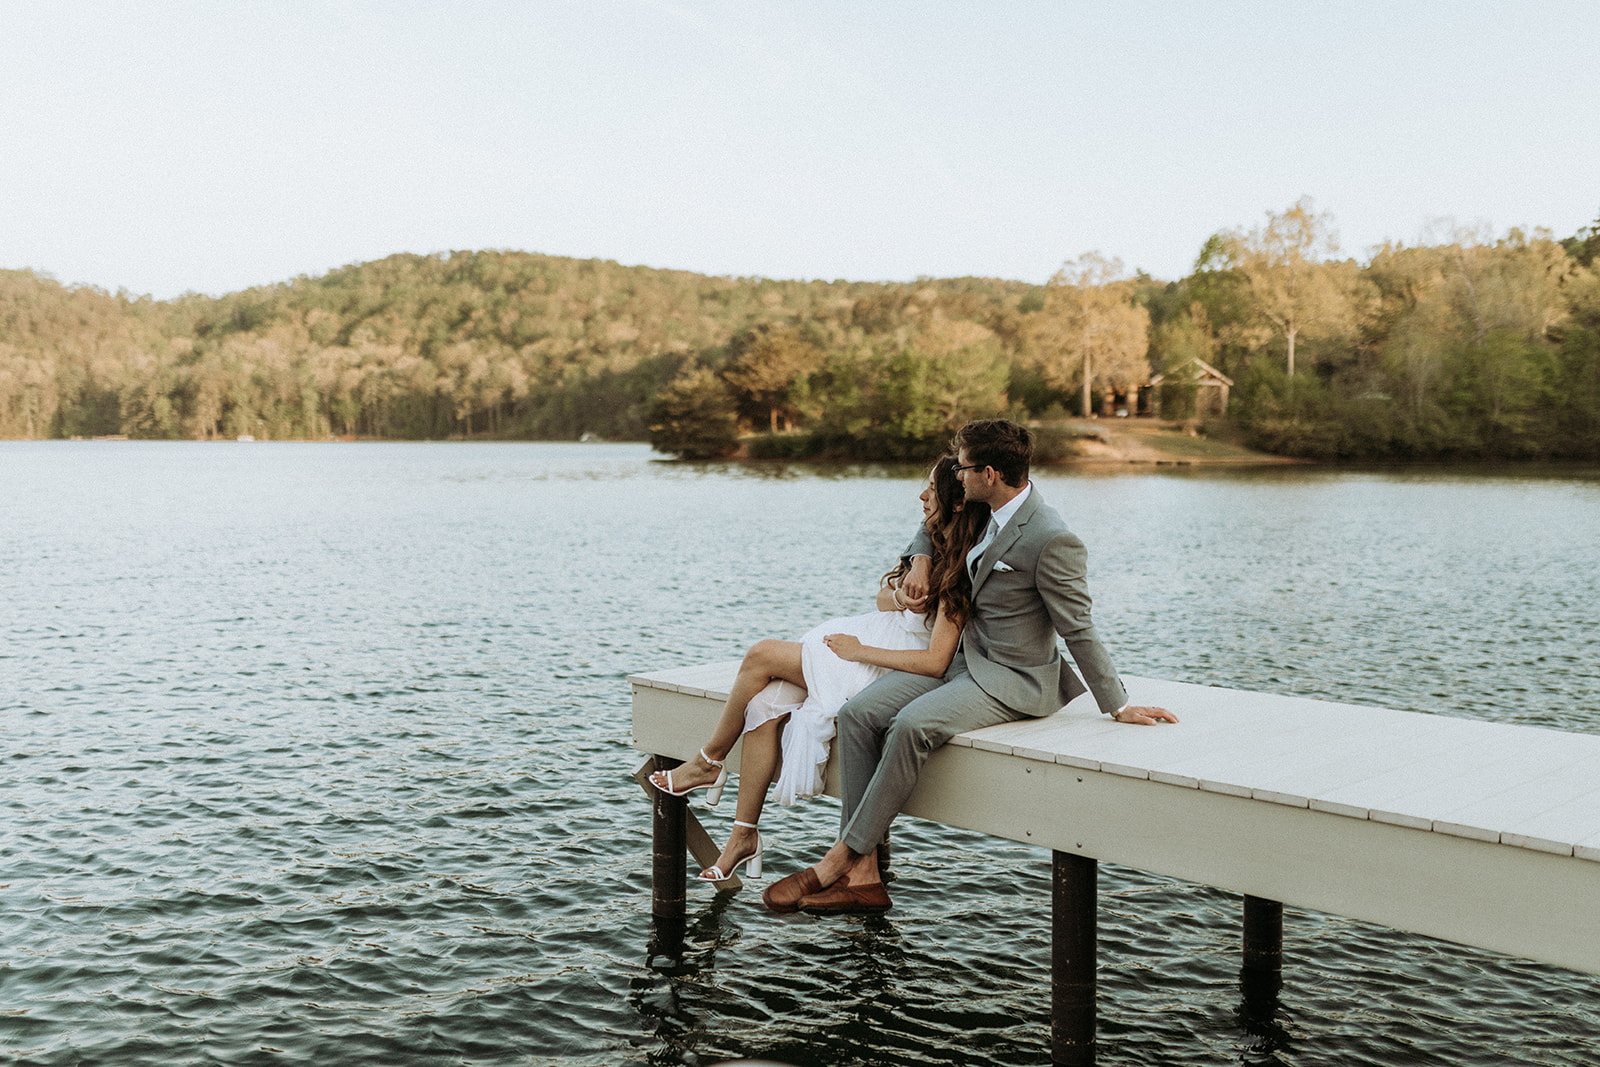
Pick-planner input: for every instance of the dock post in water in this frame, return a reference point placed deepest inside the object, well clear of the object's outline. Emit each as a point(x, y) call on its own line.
point(669, 839)
point(1263, 937)
point(1261, 977)
point(1072, 959)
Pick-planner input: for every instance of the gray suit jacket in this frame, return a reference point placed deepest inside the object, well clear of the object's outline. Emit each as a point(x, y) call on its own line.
point(1009, 644)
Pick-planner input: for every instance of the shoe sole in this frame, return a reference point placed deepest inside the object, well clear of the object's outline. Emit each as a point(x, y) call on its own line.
point(847, 911)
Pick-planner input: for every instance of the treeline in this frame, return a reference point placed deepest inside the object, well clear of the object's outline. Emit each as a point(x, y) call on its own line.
point(469, 344)
point(1468, 346)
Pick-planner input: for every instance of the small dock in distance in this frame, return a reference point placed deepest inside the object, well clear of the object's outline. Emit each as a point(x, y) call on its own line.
point(1486, 834)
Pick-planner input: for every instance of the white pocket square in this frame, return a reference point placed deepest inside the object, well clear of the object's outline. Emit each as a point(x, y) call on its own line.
point(1002, 565)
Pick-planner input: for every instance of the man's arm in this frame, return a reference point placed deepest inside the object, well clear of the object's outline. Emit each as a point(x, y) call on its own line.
point(919, 556)
point(1063, 585)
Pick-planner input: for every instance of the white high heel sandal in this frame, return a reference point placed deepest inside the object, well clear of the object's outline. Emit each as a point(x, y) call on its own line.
point(714, 789)
point(752, 862)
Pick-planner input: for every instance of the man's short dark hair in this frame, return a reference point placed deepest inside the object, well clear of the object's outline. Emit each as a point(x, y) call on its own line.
point(998, 443)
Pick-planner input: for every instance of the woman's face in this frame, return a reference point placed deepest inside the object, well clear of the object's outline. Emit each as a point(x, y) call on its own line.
point(930, 499)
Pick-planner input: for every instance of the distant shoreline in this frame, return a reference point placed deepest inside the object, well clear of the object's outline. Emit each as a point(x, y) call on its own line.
point(1109, 445)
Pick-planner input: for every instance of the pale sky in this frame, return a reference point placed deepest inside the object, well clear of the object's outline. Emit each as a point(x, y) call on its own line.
point(169, 146)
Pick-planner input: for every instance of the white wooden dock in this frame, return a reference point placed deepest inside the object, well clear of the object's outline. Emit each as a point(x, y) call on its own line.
point(1481, 833)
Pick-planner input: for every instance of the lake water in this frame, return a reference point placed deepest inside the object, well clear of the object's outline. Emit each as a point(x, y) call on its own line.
point(318, 753)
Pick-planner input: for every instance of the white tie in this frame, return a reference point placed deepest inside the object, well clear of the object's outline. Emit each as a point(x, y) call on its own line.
point(976, 553)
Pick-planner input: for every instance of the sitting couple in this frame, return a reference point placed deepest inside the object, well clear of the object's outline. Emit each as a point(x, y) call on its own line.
point(965, 638)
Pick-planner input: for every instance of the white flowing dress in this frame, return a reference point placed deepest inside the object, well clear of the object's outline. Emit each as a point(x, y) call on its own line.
point(830, 681)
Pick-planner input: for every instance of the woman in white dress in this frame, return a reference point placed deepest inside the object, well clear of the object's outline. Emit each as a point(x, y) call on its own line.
point(805, 682)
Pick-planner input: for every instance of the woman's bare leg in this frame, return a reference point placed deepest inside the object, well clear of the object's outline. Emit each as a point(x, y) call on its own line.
point(765, 661)
point(758, 765)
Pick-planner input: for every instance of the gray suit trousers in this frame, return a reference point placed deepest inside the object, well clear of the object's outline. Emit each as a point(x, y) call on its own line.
point(886, 733)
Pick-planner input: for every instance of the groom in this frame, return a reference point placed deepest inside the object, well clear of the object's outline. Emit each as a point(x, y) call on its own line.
point(1027, 587)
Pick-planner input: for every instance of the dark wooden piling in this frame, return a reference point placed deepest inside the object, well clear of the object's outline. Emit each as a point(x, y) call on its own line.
point(1263, 936)
point(1072, 959)
point(1261, 976)
point(669, 838)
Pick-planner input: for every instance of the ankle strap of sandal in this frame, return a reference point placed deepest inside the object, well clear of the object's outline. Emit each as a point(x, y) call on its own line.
point(741, 822)
point(708, 759)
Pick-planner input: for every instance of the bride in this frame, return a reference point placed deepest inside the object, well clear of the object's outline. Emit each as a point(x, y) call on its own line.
point(805, 682)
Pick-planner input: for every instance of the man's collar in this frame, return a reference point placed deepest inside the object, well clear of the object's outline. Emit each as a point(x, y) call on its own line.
point(1006, 511)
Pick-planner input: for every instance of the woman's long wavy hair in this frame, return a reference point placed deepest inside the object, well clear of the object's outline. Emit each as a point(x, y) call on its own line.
point(954, 527)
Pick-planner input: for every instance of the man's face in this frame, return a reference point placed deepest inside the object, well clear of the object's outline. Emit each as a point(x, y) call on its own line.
point(976, 482)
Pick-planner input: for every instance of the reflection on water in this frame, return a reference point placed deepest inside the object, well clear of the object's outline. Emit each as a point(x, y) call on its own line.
point(321, 752)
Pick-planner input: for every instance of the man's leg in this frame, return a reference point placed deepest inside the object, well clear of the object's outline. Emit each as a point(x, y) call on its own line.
point(862, 723)
point(921, 726)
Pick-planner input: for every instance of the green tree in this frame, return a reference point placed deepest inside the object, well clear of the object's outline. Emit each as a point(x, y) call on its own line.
point(763, 363)
point(1578, 422)
point(1584, 245)
point(694, 417)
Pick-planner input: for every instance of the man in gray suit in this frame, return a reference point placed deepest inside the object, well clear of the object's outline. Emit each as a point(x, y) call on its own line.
point(1027, 587)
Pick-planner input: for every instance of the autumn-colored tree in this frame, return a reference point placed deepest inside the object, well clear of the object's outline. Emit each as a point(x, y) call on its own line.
point(1280, 264)
point(1089, 330)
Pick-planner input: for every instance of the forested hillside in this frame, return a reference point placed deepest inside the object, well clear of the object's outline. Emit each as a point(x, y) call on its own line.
point(503, 344)
point(1473, 346)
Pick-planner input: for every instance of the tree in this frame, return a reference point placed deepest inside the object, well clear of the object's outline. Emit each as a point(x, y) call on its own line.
point(1469, 338)
point(1279, 262)
point(1584, 246)
point(694, 417)
point(764, 362)
point(1090, 328)
point(956, 373)
point(1175, 345)
point(1580, 367)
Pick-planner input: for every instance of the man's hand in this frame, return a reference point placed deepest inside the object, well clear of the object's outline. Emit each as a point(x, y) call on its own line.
point(914, 589)
point(844, 646)
point(1139, 716)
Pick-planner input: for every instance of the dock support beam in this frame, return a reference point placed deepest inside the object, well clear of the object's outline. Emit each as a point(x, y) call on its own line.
point(1261, 977)
point(1263, 936)
point(1072, 959)
point(669, 840)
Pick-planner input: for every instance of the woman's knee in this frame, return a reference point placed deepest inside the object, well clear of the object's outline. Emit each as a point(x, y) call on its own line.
point(764, 653)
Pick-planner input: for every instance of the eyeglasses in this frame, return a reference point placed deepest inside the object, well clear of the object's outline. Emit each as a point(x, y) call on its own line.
point(969, 467)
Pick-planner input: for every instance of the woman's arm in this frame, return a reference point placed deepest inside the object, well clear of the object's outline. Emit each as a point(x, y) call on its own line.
point(886, 601)
point(932, 661)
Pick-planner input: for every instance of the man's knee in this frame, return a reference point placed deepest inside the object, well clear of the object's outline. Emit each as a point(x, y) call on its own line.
point(916, 734)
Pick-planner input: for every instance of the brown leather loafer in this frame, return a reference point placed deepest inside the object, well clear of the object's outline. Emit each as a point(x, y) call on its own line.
point(785, 893)
point(841, 899)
